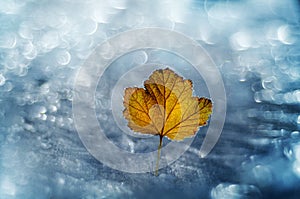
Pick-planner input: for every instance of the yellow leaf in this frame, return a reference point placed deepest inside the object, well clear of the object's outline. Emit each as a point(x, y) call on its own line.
point(166, 107)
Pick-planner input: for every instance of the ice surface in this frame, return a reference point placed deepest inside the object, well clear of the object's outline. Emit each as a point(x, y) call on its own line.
point(255, 45)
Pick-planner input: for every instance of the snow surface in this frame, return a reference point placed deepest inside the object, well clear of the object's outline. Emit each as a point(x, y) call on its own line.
point(255, 44)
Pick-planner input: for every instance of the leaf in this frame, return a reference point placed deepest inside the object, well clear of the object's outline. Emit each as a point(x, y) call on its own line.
point(166, 107)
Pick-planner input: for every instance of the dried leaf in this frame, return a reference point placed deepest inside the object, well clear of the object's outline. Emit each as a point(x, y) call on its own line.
point(166, 107)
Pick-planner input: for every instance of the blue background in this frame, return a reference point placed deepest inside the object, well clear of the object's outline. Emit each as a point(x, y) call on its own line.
point(256, 46)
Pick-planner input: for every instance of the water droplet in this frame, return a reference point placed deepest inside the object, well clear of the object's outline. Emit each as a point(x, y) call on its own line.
point(296, 150)
point(140, 57)
point(7, 187)
point(288, 152)
point(45, 144)
point(296, 168)
point(45, 88)
point(284, 35)
point(43, 117)
point(42, 109)
point(38, 112)
point(267, 83)
point(297, 95)
point(294, 72)
point(235, 191)
point(267, 95)
point(241, 41)
point(22, 71)
point(88, 27)
point(61, 181)
point(8, 40)
point(59, 121)
point(26, 47)
point(7, 87)
point(258, 97)
point(298, 119)
point(49, 41)
point(295, 134)
point(52, 108)
point(25, 30)
point(63, 57)
point(51, 118)
point(263, 175)
point(29, 127)
point(2, 80)
point(31, 55)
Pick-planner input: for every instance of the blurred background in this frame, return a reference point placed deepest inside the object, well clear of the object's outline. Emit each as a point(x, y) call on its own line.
point(255, 45)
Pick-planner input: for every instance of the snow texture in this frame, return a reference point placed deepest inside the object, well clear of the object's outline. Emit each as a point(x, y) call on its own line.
point(255, 44)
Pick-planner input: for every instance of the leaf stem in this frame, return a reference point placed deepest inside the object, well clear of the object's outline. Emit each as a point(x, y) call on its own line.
point(158, 154)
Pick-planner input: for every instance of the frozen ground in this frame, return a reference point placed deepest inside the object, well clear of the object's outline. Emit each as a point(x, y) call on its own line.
point(255, 44)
